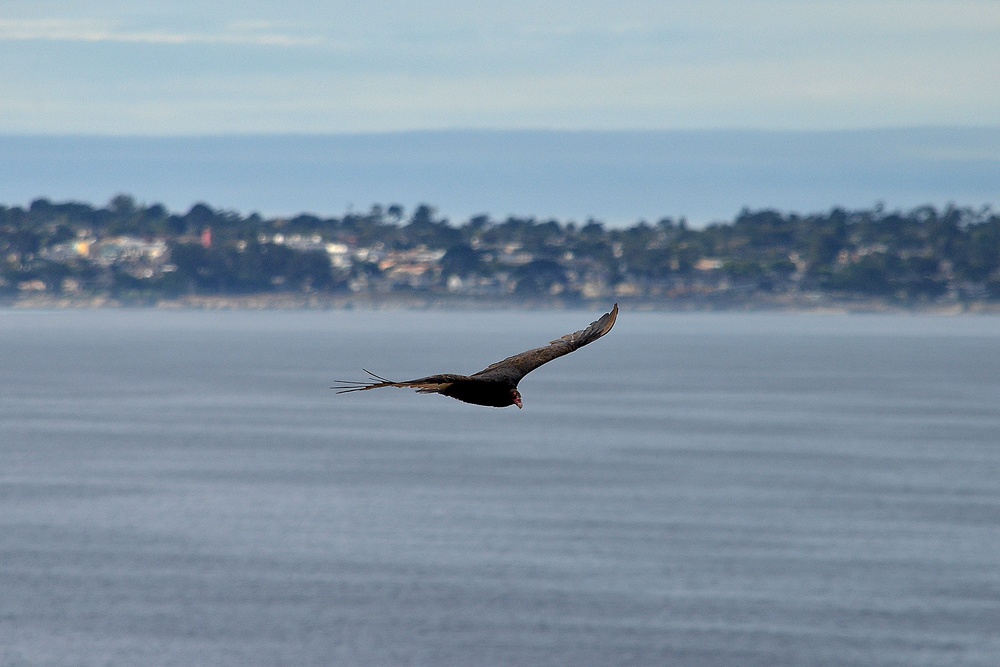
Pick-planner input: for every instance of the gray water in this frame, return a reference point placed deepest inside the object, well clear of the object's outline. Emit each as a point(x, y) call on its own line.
point(182, 488)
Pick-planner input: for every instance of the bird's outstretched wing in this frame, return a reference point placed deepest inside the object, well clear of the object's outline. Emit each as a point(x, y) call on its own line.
point(432, 384)
point(513, 368)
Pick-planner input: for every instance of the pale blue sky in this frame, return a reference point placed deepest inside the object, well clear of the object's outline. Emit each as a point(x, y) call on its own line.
point(199, 67)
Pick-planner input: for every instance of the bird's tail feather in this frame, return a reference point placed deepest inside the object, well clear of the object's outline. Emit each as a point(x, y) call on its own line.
point(377, 381)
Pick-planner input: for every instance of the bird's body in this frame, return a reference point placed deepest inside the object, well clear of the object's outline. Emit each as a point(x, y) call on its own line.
point(495, 385)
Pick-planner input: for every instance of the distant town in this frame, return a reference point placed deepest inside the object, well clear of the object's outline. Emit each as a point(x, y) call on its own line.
point(128, 253)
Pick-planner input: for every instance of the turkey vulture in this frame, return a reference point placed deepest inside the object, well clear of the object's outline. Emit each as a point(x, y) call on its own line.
point(495, 385)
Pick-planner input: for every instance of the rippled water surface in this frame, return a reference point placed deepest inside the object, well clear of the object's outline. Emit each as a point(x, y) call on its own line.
point(182, 488)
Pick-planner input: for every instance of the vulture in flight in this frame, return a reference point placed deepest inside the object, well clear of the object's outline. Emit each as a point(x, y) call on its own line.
point(495, 385)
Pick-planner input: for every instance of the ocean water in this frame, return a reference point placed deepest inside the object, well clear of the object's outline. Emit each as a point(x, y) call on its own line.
point(182, 488)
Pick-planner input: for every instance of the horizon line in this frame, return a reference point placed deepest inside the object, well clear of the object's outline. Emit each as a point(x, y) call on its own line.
point(503, 130)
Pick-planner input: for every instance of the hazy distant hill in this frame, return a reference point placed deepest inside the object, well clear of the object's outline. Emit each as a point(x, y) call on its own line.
point(616, 177)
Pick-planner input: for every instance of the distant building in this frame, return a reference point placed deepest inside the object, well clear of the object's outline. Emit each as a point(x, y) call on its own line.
point(708, 264)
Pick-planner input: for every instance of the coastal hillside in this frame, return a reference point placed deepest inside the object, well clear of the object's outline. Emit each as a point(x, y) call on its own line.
point(126, 252)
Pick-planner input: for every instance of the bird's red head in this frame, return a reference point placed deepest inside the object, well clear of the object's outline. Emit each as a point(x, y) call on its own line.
point(515, 398)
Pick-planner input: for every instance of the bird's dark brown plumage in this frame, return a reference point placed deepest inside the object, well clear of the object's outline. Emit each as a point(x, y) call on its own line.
point(495, 385)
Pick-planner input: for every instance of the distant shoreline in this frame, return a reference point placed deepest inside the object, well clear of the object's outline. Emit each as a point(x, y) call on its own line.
point(816, 304)
point(619, 177)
